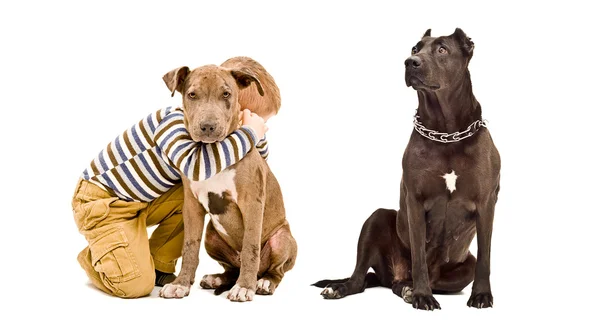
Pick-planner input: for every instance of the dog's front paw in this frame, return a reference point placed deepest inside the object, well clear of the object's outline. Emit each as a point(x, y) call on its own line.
point(334, 291)
point(240, 294)
point(211, 281)
point(424, 302)
point(481, 300)
point(174, 291)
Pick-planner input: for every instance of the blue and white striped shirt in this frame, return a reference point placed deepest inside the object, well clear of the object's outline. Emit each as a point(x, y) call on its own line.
point(148, 159)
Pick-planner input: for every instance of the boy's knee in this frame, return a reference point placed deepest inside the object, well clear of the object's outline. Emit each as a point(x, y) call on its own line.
point(137, 283)
point(136, 287)
point(120, 266)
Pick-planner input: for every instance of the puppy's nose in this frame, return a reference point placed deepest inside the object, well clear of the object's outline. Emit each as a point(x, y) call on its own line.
point(413, 61)
point(208, 128)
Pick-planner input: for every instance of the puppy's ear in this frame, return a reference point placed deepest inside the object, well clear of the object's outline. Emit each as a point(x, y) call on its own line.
point(245, 77)
point(464, 41)
point(427, 33)
point(175, 78)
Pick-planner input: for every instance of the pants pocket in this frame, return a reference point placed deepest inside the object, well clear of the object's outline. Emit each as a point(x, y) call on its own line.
point(112, 258)
point(89, 214)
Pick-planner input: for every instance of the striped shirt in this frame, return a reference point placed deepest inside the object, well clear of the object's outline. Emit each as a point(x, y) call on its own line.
point(149, 158)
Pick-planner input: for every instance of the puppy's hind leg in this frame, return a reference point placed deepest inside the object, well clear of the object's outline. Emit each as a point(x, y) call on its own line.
point(277, 257)
point(373, 251)
point(227, 257)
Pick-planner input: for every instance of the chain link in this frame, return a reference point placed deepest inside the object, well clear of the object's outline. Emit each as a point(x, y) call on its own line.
point(448, 137)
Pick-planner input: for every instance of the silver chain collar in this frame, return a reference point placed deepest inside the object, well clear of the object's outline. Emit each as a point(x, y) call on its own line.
point(448, 137)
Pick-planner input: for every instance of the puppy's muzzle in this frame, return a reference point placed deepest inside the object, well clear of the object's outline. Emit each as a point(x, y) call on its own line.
point(207, 129)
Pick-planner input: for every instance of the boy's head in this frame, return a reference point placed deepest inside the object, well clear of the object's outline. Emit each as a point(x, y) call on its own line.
point(265, 106)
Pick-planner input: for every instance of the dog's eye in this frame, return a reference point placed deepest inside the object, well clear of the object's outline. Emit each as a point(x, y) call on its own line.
point(192, 95)
point(226, 94)
point(442, 50)
point(414, 50)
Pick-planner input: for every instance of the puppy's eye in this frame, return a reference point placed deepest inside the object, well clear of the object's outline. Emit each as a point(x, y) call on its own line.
point(226, 94)
point(442, 50)
point(192, 95)
point(414, 50)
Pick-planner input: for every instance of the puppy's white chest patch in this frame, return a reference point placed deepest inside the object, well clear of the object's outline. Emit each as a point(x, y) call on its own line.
point(219, 184)
point(450, 181)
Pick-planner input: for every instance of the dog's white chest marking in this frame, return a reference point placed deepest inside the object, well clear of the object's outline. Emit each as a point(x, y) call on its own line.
point(450, 181)
point(218, 184)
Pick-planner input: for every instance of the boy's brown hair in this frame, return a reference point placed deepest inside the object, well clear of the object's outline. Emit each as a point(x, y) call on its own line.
point(249, 98)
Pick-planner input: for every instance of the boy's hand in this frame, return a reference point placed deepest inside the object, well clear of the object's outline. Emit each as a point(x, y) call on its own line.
point(254, 121)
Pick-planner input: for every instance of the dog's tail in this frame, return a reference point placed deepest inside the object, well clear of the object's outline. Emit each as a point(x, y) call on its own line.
point(371, 280)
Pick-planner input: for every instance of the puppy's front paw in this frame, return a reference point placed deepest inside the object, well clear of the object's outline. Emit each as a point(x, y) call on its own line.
point(174, 291)
point(211, 281)
point(334, 291)
point(481, 300)
point(240, 294)
point(424, 302)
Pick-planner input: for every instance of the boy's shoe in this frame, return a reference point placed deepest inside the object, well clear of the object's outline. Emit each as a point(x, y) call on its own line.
point(163, 278)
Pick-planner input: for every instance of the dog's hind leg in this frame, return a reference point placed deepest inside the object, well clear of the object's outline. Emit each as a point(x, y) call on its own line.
point(402, 284)
point(277, 256)
point(457, 278)
point(373, 251)
point(227, 257)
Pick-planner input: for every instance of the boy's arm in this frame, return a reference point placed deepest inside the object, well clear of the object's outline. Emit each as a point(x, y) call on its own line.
point(200, 161)
point(263, 148)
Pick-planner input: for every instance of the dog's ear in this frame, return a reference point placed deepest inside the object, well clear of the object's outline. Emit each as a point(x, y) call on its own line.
point(245, 77)
point(427, 33)
point(175, 78)
point(464, 41)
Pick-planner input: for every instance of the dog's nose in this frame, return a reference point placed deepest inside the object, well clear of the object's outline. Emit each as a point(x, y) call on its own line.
point(207, 128)
point(412, 61)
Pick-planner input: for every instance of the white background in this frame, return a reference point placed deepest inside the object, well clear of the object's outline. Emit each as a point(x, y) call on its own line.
point(75, 75)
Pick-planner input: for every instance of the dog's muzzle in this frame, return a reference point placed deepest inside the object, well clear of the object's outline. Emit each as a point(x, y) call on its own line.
point(413, 68)
point(413, 62)
point(207, 132)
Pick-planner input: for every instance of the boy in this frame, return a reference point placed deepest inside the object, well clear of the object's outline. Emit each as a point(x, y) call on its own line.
point(135, 183)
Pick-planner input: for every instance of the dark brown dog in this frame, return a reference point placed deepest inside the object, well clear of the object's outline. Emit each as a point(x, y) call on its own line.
point(448, 192)
point(248, 233)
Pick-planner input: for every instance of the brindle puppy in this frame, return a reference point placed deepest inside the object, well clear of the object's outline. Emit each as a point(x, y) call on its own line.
point(448, 192)
point(248, 233)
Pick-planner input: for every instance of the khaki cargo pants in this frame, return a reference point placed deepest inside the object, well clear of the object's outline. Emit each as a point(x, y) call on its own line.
point(120, 259)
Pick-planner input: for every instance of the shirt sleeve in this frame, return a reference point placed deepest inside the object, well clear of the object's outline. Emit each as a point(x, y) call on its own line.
point(263, 148)
point(200, 161)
